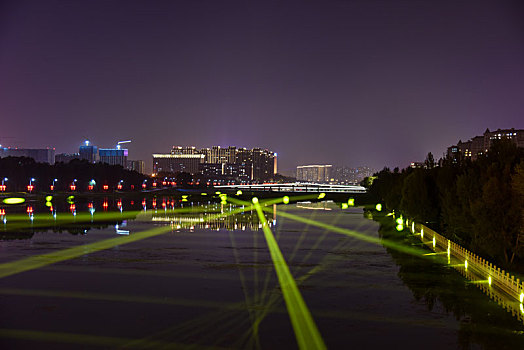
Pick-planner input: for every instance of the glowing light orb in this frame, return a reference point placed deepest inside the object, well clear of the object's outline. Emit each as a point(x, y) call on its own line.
point(239, 193)
point(322, 195)
point(345, 206)
point(351, 202)
point(255, 200)
point(285, 200)
point(14, 200)
point(400, 227)
point(48, 198)
point(489, 280)
point(378, 207)
point(70, 199)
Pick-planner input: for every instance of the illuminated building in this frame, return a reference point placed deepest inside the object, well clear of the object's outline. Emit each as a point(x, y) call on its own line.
point(244, 158)
point(240, 163)
point(217, 154)
point(233, 171)
point(113, 156)
point(263, 164)
point(314, 173)
point(417, 165)
point(479, 145)
point(184, 150)
point(175, 163)
point(88, 152)
point(349, 176)
point(43, 155)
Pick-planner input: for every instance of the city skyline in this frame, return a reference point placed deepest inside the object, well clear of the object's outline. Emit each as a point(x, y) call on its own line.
point(357, 83)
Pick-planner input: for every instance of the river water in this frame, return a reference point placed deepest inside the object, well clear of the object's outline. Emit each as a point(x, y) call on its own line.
point(211, 283)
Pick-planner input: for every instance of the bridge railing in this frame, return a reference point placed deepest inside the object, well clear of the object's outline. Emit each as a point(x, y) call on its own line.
point(297, 187)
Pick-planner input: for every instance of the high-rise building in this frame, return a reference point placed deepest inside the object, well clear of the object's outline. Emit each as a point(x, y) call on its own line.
point(184, 150)
point(479, 145)
point(314, 173)
point(43, 155)
point(217, 170)
point(344, 175)
point(136, 165)
point(88, 152)
point(263, 164)
point(175, 163)
point(246, 165)
point(218, 155)
point(113, 156)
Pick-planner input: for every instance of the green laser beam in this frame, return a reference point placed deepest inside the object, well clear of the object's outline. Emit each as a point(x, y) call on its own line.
point(241, 275)
point(306, 331)
point(352, 233)
point(274, 297)
point(346, 232)
point(38, 261)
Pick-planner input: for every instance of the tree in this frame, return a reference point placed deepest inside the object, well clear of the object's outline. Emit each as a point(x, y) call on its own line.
point(429, 163)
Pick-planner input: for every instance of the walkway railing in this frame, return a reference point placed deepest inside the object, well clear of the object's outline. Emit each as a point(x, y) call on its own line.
point(497, 283)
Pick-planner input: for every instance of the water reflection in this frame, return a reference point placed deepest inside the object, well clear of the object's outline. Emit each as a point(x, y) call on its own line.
point(82, 215)
point(438, 285)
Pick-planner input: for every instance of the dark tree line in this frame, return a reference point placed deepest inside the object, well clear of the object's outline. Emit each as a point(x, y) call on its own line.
point(478, 204)
point(19, 170)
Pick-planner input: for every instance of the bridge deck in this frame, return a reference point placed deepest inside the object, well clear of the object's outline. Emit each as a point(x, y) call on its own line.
point(297, 187)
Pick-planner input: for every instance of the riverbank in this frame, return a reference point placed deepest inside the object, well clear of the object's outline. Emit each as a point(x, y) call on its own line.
point(505, 288)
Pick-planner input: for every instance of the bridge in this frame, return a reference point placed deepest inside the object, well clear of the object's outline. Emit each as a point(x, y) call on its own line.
point(294, 187)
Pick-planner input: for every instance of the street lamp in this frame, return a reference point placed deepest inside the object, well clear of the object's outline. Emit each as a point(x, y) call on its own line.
point(30, 187)
point(119, 186)
point(91, 185)
point(3, 187)
point(53, 185)
point(73, 185)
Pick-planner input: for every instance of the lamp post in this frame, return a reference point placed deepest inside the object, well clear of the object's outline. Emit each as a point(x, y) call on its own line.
point(53, 185)
point(73, 185)
point(30, 187)
point(3, 187)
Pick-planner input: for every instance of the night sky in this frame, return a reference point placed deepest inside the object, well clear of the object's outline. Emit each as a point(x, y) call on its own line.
point(343, 82)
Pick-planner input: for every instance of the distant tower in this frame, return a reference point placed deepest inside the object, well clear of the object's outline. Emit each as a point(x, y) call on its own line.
point(88, 152)
point(114, 156)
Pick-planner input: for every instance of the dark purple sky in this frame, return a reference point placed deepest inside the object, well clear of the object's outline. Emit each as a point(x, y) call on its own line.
point(345, 82)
